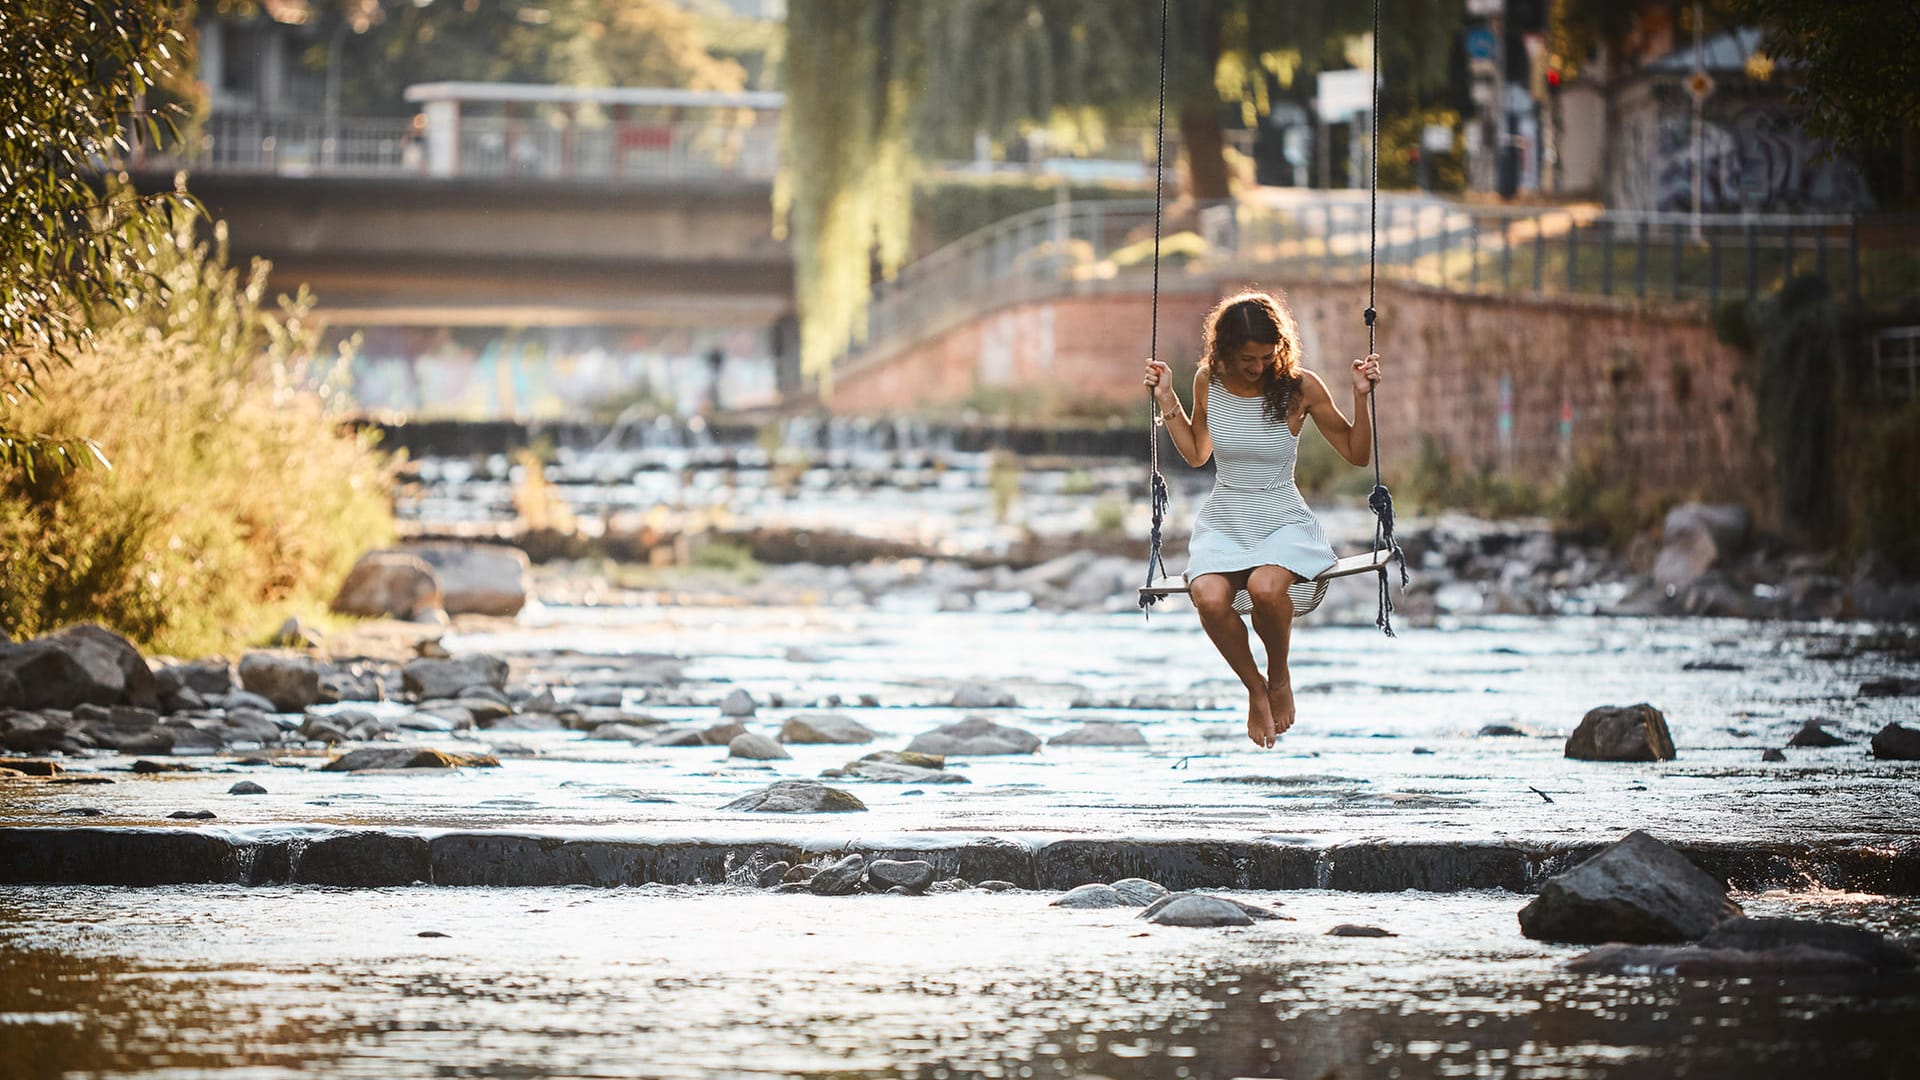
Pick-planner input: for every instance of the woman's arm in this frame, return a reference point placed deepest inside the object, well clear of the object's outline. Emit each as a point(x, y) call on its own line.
point(1189, 436)
point(1351, 439)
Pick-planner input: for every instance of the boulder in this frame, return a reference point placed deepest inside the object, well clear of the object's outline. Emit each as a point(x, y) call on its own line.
point(1897, 743)
point(1093, 896)
point(754, 747)
point(1101, 734)
point(1194, 909)
point(975, 735)
point(883, 772)
point(356, 682)
point(1252, 911)
point(824, 728)
point(246, 787)
point(294, 634)
point(1695, 962)
point(979, 695)
point(914, 875)
point(722, 734)
point(1812, 734)
point(203, 677)
point(1638, 891)
point(737, 703)
point(1139, 891)
point(84, 664)
point(406, 757)
point(436, 678)
point(1696, 538)
point(797, 797)
point(841, 878)
point(477, 579)
point(1355, 930)
point(772, 874)
point(639, 736)
point(906, 757)
point(389, 584)
point(1611, 733)
point(1767, 935)
point(1891, 686)
point(1773, 754)
point(289, 680)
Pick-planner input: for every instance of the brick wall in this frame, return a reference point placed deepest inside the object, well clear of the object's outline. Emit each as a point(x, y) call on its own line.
point(1517, 386)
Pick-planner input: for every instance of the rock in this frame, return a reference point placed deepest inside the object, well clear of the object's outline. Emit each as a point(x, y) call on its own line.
point(1354, 930)
point(389, 584)
point(975, 735)
point(243, 699)
point(202, 676)
point(356, 682)
point(1897, 743)
point(246, 787)
point(772, 874)
point(722, 734)
point(406, 757)
point(737, 703)
point(82, 811)
point(443, 717)
point(978, 695)
point(996, 885)
point(1093, 896)
point(483, 711)
point(1633, 733)
point(143, 767)
point(841, 878)
point(1500, 731)
point(1812, 734)
point(1768, 935)
point(1101, 734)
point(30, 767)
point(196, 740)
point(679, 737)
point(1772, 754)
point(289, 682)
point(797, 797)
point(754, 747)
point(1251, 911)
point(84, 664)
point(249, 725)
point(800, 874)
point(1696, 538)
point(1891, 686)
point(881, 772)
point(1638, 891)
point(1194, 909)
point(824, 728)
point(294, 634)
point(914, 876)
point(639, 736)
point(430, 678)
point(192, 815)
point(527, 721)
point(1139, 892)
point(477, 579)
point(905, 757)
point(329, 729)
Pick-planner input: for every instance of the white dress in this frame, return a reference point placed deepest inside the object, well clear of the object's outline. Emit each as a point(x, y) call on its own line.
point(1255, 516)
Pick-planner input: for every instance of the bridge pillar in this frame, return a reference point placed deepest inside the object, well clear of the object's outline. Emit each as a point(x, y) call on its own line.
point(443, 138)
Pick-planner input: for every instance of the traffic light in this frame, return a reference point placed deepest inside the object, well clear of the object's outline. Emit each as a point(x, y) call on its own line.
point(1553, 80)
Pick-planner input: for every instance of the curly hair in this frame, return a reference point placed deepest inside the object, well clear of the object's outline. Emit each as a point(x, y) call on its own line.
point(1256, 315)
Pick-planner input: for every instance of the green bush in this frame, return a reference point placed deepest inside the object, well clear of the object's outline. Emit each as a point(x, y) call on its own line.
point(1885, 480)
point(235, 493)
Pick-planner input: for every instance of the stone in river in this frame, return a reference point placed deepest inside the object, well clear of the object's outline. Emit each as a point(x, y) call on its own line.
point(841, 878)
point(192, 815)
point(798, 875)
point(1812, 734)
point(881, 772)
point(975, 735)
point(754, 747)
point(1355, 930)
point(389, 584)
point(1193, 909)
point(290, 681)
point(1093, 896)
point(484, 710)
point(406, 757)
point(914, 876)
point(824, 728)
point(628, 733)
point(996, 885)
point(905, 757)
point(1772, 754)
point(477, 579)
point(680, 737)
point(143, 767)
point(737, 703)
point(1891, 686)
point(1897, 743)
point(1634, 733)
point(528, 721)
point(78, 665)
point(772, 874)
point(246, 787)
point(31, 766)
point(82, 811)
point(980, 695)
point(1493, 731)
point(1101, 734)
point(722, 734)
point(1765, 935)
point(1252, 911)
point(797, 797)
point(1139, 892)
point(1638, 891)
point(434, 678)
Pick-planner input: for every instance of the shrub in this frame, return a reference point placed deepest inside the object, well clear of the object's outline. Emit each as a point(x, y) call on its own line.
point(234, 491)
point(1884, 479)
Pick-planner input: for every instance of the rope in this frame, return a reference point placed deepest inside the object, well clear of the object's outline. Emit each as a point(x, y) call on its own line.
point(1156, 483)
point(1380, 501)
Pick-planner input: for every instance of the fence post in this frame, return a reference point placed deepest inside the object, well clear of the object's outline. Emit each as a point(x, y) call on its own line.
point(1539, 253)
point(1473, 253)
point(1573, 255)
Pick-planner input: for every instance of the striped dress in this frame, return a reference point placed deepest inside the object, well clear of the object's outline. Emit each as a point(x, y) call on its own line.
point(1255, 516)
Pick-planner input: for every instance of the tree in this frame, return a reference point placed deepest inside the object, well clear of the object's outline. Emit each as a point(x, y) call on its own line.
point(74, 75)
point(1855, 68)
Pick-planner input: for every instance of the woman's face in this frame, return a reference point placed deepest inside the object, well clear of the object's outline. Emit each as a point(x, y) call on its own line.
point(1253, 361)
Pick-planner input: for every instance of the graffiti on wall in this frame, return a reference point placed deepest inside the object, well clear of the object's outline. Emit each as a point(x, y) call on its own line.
point(555, 372)
point(1754, 157)
point(1016, 345)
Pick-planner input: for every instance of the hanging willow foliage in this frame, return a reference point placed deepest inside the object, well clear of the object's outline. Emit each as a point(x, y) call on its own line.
point(872, 85)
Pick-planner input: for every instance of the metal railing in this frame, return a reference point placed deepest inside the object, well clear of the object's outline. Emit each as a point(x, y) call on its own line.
point(1497, 251)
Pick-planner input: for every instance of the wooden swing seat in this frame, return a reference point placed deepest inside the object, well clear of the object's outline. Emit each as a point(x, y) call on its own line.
point(1366, 562)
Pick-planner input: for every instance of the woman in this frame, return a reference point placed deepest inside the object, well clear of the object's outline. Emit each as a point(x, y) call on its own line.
point(1255, 543)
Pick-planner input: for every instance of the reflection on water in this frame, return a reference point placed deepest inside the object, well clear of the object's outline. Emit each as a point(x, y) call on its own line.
point(675, 982)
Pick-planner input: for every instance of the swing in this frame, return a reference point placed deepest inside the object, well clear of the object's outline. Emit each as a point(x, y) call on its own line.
point(1308, 593)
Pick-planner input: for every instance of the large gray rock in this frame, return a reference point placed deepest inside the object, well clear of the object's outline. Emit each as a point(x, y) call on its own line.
point(842, 878)
point(913, 875)
point(1696, 538)
point(824, 728)
point(1101, 733)
point(797, 797)
point(979, 695)
point(886, 772)
point(1812, 734)
point(1139, 891)
point(1638, 891)
point(289, 680)
point(406, 757)
point(1695, 962)
point(1092, 896)
point(974, 736)
point(754, 747)
point(1193, 909)
point(1612, 733)
point(389, 584)
point(433, 678)
point(1253, 912)
point(477, 579)
point(737, 703)
point(84, 664)
point(1896, 742)
point(1765, 935)
point(211, 676)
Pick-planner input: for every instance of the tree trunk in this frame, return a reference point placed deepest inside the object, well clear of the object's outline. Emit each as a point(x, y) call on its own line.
point(1205, 145)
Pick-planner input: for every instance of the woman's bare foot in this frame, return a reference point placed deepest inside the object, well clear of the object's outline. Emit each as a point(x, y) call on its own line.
point(1259, 720)
point(1280, 703)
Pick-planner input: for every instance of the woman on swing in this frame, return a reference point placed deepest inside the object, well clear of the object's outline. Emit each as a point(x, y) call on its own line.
point(1256, 548)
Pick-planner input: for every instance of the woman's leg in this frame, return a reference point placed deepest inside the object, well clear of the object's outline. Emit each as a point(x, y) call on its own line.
point(1212, 596)
point(1273, 621)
